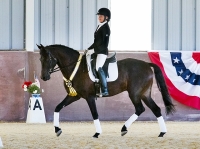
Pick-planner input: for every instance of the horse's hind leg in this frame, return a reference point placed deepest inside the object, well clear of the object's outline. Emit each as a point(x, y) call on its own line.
point(68, 100)
point(157, 112)
point(139, 109)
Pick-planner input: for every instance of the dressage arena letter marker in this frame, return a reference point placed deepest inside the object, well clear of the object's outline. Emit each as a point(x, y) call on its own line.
point(1, 144)
point(35, 111)
point(37, 105)
point(29, 105)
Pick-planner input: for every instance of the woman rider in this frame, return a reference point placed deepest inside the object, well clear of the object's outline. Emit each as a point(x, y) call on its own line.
point(100, 45)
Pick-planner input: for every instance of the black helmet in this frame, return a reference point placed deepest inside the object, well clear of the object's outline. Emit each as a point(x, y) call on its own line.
point(105, 12)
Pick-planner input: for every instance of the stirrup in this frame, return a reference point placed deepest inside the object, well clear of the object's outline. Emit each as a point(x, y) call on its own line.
point(105, 94)
point(97, 88)
point(100, 94)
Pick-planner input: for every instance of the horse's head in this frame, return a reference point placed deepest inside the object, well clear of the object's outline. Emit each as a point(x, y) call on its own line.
point(48, 62)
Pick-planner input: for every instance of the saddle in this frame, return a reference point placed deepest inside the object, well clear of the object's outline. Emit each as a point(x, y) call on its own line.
point(110, 67)
point(111, 59)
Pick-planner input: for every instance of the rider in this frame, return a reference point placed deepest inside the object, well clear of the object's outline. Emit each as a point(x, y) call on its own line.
point(100, 45)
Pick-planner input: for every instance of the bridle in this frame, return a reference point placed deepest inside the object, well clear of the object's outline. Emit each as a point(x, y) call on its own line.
point(52, 69)
point(68, 82)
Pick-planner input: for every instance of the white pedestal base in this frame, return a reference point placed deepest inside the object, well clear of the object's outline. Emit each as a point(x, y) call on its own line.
point(35, 112)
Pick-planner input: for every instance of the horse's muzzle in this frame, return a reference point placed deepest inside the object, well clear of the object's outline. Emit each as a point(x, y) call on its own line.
point(45, 78)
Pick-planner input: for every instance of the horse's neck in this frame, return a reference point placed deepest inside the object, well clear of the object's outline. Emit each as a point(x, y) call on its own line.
point(67, 64)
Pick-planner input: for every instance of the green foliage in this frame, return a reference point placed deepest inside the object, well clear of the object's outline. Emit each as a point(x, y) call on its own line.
point(34, 89)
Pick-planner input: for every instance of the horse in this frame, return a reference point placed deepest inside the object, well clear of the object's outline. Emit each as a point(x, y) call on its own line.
point(135, 77)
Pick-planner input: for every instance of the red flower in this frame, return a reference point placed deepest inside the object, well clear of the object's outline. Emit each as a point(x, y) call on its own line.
point(27, 83)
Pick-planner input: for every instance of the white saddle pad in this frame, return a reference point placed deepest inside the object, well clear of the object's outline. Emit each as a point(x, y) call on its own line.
point(112, 68)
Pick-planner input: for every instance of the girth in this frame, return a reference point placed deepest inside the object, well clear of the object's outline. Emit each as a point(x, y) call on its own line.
point(111, 59)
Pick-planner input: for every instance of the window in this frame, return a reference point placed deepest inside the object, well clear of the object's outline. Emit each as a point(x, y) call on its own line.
point(130, 25)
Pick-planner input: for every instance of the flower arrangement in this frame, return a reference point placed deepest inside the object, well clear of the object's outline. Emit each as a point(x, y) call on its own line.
point(32, 88)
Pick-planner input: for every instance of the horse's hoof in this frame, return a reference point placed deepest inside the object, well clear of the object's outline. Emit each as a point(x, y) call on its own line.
point(123, 133)
point(58, 131)
point(161, 134)
point(96, 135)
point(124, 130)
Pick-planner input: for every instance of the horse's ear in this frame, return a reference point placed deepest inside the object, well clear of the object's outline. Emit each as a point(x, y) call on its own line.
point(39, 46)
point(42, 48)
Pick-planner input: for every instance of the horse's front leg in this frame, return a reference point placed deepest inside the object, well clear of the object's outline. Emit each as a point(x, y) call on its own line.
point(68, 100)
point(92, 105)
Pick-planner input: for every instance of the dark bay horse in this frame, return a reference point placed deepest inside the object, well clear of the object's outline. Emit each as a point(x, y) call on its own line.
point(135, 76)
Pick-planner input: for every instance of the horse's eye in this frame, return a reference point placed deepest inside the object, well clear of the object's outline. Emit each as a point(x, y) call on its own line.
point(41, 59)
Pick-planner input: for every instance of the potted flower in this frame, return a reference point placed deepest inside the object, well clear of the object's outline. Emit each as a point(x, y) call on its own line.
point(33, 88)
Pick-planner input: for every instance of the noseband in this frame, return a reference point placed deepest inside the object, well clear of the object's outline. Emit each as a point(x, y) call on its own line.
point(52, 69)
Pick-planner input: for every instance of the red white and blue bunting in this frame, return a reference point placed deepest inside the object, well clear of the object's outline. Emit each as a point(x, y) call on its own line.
point(182, 75)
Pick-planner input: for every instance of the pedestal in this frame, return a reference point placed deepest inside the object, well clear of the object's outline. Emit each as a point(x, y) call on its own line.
point(1, 144)
point(35, 112)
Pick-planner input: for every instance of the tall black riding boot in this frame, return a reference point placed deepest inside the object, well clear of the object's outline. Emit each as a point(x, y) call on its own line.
point(103, 81)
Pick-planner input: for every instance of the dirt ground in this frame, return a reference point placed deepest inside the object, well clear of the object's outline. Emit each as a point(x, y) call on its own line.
point(78, 135)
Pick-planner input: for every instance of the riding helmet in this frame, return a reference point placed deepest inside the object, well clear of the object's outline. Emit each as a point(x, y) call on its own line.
point(105, 12)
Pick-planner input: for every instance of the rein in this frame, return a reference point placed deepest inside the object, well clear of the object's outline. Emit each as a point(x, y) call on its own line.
point(58, 68)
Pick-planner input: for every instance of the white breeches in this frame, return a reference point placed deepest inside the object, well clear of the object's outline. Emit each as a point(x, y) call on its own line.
point(101, 58)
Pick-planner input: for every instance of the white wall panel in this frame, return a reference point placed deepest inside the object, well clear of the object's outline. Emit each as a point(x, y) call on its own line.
point(188, 25)
point(61, 22)
point(11, 24)
point(5, 24)
point(47, 22)
point(197, 25)
point(179, 21)
point(68, 22)
point(17, 24)
point(102, 3)
point(174, 24)
point(89, 26)
point(75, 24)
point(37, 22)
point(159, 24)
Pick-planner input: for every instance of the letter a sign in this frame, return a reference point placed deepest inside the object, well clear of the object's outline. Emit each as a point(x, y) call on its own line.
point(37, 105)
point(35, 111)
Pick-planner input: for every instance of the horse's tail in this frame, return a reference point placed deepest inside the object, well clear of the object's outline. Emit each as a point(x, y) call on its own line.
point(169, 107)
